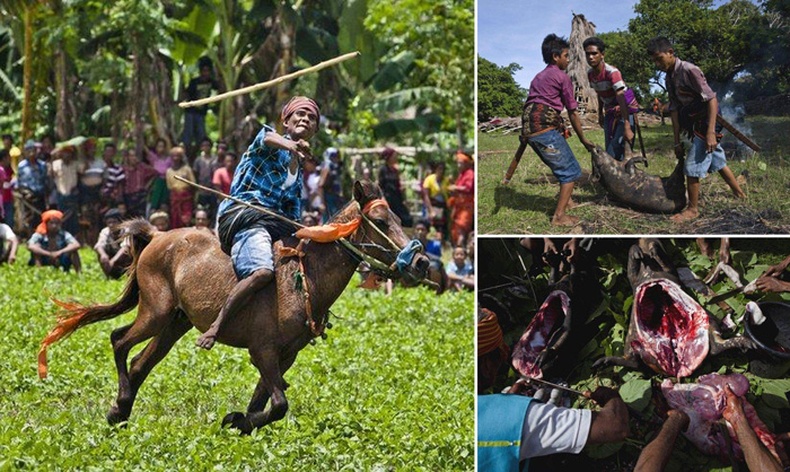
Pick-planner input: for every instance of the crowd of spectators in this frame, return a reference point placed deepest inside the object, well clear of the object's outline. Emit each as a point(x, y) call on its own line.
point(60, 197)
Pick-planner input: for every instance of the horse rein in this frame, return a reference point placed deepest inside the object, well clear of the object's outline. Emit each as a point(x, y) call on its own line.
point(377, 266)
point(317, 326)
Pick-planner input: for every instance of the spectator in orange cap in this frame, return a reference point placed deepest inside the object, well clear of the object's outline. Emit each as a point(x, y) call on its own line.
point(50, 245)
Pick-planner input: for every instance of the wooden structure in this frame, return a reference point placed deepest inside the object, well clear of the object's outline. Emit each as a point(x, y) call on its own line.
point(581, 29)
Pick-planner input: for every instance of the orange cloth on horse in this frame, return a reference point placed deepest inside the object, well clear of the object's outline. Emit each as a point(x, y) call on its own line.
point(45, 217)
point(329, 232)
point(333, 231)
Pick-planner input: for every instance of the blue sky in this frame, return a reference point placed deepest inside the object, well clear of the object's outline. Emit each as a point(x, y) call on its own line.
point(512, 30)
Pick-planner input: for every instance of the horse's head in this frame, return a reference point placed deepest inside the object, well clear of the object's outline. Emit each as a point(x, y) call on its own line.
point(381, 236)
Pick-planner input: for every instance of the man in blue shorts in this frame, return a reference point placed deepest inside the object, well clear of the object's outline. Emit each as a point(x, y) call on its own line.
point(617, 103)
point(269, 175)
point(543, 128)
point(693, 107)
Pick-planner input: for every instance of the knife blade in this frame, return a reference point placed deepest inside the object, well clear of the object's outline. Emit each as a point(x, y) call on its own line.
point(724, 296)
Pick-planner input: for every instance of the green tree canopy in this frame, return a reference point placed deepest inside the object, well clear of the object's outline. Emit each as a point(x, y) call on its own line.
point(738, 39)
point(117, 69)
point(498, 94)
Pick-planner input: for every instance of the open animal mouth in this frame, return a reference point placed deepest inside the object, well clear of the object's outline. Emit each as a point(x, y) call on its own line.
point(527, 352)
point(671, 328)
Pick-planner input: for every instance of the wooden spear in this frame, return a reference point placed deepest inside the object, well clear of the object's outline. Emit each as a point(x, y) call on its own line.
point(270, 83)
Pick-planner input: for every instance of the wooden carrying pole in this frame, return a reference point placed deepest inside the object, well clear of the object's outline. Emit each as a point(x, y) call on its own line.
point(270, 83)
point(742, 137)
point(514, 163)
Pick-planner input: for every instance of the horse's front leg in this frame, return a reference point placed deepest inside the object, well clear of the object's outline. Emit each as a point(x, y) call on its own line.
point(270, 387)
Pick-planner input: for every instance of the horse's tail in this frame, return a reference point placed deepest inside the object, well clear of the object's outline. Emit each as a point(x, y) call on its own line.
point(73, 316)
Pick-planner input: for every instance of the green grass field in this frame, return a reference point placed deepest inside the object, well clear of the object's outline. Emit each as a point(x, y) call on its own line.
point(390, 389)
point(525, 205)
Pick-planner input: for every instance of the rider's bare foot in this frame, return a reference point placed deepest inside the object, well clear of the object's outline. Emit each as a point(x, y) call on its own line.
point(564, 220)
point(739, 193)
point(207, 339)
point(685, 215)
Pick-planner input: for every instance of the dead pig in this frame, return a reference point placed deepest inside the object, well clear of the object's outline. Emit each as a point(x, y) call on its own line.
point(669, 331)
point(638, 189)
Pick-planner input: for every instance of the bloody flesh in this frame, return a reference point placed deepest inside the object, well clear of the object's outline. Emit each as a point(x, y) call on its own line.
point(671, 328)
point(538, 334)
point(704, 403)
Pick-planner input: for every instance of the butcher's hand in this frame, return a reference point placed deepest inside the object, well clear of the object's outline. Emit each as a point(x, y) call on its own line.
point(602, 395)
point(571, 247)
point(777, 269)
point(772, 284)
point(710, 142)
point(628, 134)
point(733, 410)
point(680, 151)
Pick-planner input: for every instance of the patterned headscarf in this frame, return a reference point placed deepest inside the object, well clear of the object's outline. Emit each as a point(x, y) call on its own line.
point(45, 217)
point(297, 103)
point(489, 335)
point(461, 156)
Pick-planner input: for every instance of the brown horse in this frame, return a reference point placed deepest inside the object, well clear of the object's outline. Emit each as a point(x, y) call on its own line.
point(181, 278)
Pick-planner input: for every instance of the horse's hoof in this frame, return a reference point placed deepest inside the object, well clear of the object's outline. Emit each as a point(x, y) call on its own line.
point(115, 416)
point(238, 420)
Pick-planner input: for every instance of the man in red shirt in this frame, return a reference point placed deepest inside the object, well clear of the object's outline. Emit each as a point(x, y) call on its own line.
point(224, 175)
point(616, 102)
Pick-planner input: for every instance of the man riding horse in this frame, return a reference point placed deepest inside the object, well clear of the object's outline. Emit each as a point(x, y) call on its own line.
point(269, 175)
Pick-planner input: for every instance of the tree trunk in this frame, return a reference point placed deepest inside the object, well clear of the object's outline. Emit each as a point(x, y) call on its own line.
point(139, 101)
point(27, 70)
point(585, 95)
point(159, 100)
point(64, 107)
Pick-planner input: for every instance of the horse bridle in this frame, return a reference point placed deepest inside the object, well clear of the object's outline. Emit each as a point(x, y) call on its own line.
point(376, 266)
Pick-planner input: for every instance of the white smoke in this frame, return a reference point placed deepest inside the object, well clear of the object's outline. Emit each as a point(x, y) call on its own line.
point(734, 113)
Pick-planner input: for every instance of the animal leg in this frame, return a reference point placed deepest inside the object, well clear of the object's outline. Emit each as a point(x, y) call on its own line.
point(156, 350)
point(719, 344)
point(261, 395)
point(268, 363)
point(123, 340)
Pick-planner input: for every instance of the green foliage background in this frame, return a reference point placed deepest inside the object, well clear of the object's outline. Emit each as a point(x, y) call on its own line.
point(117, 69)
point(498, 92)
point(390, 389)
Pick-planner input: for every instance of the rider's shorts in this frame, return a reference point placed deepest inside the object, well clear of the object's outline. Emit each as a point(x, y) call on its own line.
point(251, 252)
